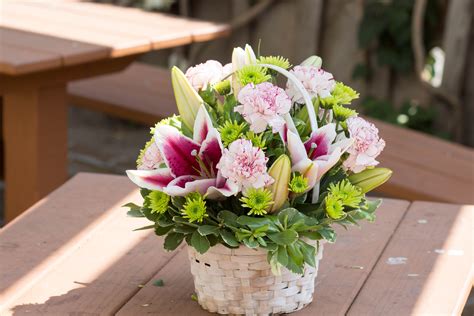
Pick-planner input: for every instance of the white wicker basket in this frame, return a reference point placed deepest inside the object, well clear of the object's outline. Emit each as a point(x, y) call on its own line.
point(240, 282)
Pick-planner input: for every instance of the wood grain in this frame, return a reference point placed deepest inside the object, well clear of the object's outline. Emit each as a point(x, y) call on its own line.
point(16, 60)
point(35, 140)
point(71, 52)
point(426, 167)
point(436, 241)
point(337, 284)
point(35, 242)
point(98, 277)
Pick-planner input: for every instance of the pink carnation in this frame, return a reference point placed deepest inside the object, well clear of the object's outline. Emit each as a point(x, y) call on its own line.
point(208, 73)
point(245, 165)
point(366, 147)
point(151, 158)
point(316, 81)
point(262, 105)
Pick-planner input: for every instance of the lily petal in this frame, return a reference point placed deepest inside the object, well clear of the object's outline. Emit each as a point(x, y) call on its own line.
point(184, 185)
point(326, 162)
point(296, 147)
point(178, 151)
point(322, 138)
point(211, 150)
point(226, 189)
point(202, 125)
point(151, 179)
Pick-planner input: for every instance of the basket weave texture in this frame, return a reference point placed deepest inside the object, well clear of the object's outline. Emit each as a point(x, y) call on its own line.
point(240, 282)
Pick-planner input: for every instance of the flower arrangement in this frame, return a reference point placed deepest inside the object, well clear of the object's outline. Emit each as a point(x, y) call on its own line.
point(248, 162)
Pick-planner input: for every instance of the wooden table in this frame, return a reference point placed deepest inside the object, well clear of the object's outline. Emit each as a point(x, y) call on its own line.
point(75, 252)
point(43, 46)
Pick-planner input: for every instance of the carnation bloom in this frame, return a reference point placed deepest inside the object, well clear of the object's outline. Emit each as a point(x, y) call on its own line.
point(263, 104)
point(316, 81)
point(366, 147)
point(150, 158)
point(244, 165)
point(203, 75)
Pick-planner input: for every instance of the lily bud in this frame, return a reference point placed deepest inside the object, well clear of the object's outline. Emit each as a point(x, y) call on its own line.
point(369, 179)
point(280, 171)
point(188, 100)
point(241, 58)
point(314, 61)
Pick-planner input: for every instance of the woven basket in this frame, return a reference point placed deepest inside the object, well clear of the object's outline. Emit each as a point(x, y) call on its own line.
point(240, 282)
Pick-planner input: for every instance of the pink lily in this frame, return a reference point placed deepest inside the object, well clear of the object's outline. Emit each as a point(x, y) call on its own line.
point(318, 154)
point(190, 163)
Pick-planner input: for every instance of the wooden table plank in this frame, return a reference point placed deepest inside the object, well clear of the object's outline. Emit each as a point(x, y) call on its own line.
point(92, 20)
point(16, 60)
point(23, 17)
point(427, 166)
point(199, 30)
point(427, 268)
point(71, 52)
point(100, 276)
point(38, 240)
point(337, 284)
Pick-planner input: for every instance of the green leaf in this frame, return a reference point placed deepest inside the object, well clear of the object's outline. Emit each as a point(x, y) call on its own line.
point(284, 238)
point(132, 206)
point(228, 218)
point(372, 205)
point(313, 235)
point(328, 234)
point(261, 241)
point(309, 253)
point(229, 238)
point(183, 229)
point(250, 242)
point(149, 215)
point(253, 222)
point(282, 255)
point(161, 231)
point(165, 221)
point(205, 230)
point(135, 213)
point(200, 243)
point(144, 192)
point(144, 227)
point(295, 254)
point(173, 240)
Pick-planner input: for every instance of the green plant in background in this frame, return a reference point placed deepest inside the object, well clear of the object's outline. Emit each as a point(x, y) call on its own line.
point(385, 33)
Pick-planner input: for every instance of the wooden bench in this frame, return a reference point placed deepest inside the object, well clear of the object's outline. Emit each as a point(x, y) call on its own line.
point(75, 251)
point(425, 168)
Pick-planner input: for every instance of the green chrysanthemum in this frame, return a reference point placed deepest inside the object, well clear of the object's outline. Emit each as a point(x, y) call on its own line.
point(334, 207)
point(275, 60)
point(256, 139)
point(348, 194)
point(222, 87)
point(341, 94)
point(231, 131)
point(344, 94)
point(158, 201)
point(342, 113)
point(174, 121)
point(252, 74)
point(195, 208)
point(257, 200)
point(298, 184)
